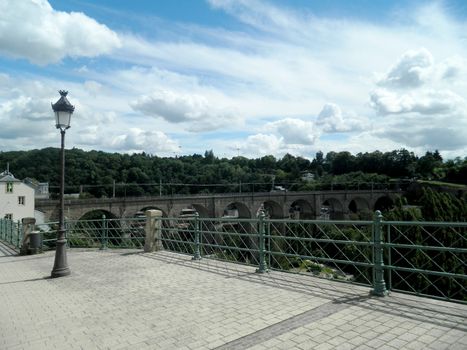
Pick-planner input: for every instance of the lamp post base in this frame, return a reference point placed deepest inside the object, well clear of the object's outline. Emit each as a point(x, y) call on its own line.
point(60, 272)
point(60, 268)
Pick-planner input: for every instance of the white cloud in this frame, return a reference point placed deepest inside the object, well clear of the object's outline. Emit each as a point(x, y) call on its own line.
point(97, 123)
point(431, 113)
point(262, 144)
point(411, 70)
point(32, 29)
point(331, 120)
point(262, 15)
point(137, 140)
point(94, 88)
point(171, 106)
point(453, 68)
point(179, 107)
point(429, 133)
point(294, 131)
point(130, 140)
point(424, 102)
point(24, 108)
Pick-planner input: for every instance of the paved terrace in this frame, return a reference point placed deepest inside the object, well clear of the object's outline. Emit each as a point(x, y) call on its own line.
point(124, 299)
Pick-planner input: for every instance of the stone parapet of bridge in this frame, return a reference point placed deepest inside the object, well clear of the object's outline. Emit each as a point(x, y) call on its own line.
point(309, 204)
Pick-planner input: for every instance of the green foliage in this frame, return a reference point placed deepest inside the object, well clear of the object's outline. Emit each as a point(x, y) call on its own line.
point(442, 206)
point(357, 180)
point(93, 173)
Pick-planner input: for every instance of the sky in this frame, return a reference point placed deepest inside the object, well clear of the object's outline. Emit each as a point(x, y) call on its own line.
point(239, 77)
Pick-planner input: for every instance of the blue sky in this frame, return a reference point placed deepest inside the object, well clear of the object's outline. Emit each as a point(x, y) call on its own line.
point(249, 77)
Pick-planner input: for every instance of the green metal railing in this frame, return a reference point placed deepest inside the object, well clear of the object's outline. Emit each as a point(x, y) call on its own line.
point(341, 250)
point(426, 258)
point(422, 258)
point(11, 232)
point(100, 233)
point(48, 234)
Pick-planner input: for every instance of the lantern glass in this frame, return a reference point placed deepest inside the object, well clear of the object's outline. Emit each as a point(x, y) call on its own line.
point(62, 119)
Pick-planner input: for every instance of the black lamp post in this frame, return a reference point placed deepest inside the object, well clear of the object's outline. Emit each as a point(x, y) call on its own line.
point(63, 111)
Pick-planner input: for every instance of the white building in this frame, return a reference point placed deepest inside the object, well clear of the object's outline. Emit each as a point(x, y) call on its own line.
point(308, 176)
point(16, 198)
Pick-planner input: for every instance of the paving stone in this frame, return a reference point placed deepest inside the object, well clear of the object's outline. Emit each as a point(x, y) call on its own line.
point(426, 339)
point(438, 345)
point(407, 337)
point(132, 300)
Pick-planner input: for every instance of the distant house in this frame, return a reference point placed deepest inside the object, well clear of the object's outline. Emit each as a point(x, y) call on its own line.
point(16, 198)
point(307, 176)
point(41, 189)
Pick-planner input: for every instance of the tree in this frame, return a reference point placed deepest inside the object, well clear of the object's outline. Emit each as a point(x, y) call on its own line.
point(427, 164)
point(343, 162)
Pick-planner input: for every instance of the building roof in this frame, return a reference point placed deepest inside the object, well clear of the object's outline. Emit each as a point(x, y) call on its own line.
point(6, 176)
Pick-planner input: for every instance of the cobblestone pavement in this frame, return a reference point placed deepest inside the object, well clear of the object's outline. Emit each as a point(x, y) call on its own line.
point(126, 299)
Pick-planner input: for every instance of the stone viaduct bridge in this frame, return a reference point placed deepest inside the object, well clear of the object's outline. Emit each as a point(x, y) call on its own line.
point(304, 205)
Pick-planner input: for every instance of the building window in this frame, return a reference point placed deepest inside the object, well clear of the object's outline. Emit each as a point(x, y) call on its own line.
point(9, 216)
point(9, 187)
point(21, 200)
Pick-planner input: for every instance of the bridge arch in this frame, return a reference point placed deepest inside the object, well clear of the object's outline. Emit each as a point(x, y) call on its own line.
point(272, 209)
point(96, 214)
point(334, 208)
point(301, 209)
point(237, 209)
point(115, 230)
point(383, 203)
point(359, 208)
point(201, 210)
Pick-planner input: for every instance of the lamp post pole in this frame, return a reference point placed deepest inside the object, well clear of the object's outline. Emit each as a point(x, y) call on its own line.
point(63, 111)
point(61, 265)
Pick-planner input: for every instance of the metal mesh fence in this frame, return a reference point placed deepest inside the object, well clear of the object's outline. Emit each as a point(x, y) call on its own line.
point(427, 258)
point(102, 233)
point(223, 239)
point(111, 233)
point(339, 250)
point(11, 232)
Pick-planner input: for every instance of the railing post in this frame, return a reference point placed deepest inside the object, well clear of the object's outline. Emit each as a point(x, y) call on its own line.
point(261, 231)
point(5, 229)
point(67, 228)
point(197, 253)
point(379, 286)
point(268, 246)
point(103, 234)
point(10, 226)
point(18, 234)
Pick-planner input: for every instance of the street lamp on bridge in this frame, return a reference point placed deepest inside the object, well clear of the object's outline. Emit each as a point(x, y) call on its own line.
point(63, 111)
